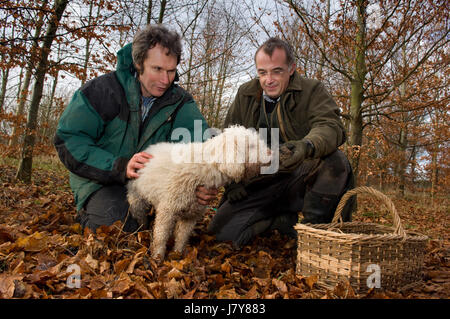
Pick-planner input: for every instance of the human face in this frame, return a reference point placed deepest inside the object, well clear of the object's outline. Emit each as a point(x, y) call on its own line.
point(273, 72)
point(159, 71)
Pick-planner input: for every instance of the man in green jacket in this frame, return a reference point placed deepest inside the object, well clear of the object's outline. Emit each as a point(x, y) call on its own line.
point(111, 119)
point(313, 173)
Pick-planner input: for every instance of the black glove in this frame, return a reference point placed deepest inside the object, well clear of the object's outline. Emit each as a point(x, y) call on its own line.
point(236, 192)
point(293, 153)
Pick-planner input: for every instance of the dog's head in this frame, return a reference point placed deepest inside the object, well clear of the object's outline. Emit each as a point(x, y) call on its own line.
point(239, 152)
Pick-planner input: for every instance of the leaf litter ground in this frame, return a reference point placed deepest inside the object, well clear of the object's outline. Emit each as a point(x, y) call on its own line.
point(40, 243)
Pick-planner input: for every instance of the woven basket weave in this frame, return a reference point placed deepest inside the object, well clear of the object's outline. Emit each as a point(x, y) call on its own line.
point(367, 255)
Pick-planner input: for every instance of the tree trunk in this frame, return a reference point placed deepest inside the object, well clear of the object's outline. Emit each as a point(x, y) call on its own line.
point(434, 171)
point(162, 11)
point(403, 161)
point(87, 49)
point(26, 160)
point(149, 11)
point(5, 75)
point(28, 73)
point(357, 85)
point(49, 108)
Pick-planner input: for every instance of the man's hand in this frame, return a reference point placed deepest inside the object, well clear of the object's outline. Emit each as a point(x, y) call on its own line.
point(236, 192)
point(137, 162)
point(205, 195)
point(293, 153)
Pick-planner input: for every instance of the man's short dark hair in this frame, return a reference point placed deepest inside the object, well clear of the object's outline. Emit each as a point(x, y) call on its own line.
point(148, 38)
point(272, 43)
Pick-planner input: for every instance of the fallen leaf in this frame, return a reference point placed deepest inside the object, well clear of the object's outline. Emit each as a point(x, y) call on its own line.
point(93, 263)
point(252, 293)
point(7, 285)
point(227, 293)
point(190, 294)
point(311, 280)
point(76, 228)
point(121, 265)
point(281, 286)
point(174, 273)
point(97, 283)
point(133, 263)
point(343, 289)
point(104, 266)
point(121, 286)
point(35, 242)
point(21, 289)
point(226, 267)
point(143, 291)
point(173, 288)
point(6, 235)
point(155, 289)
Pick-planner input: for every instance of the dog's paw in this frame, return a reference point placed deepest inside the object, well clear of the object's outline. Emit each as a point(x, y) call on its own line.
point(175, 255)
point(158, 255)
point(158, 259)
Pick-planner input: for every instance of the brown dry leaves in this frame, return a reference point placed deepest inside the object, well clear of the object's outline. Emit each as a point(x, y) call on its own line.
point(40, 244)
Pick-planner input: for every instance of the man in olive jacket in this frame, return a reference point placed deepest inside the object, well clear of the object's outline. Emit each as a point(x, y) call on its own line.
point(111, 119)
point(313, 173)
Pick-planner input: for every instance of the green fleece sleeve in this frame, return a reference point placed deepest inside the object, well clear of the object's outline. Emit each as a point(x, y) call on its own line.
point(79, 129)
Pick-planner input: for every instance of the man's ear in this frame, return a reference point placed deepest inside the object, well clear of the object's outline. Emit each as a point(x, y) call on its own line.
point(292, 69)
point(137, 69)
point(177, 77)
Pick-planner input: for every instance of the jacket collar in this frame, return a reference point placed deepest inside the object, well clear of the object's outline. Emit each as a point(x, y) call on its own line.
point(124, 58)
point(253, 88)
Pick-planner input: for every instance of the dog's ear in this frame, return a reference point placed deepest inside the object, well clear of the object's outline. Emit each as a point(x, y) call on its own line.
point(233, 147)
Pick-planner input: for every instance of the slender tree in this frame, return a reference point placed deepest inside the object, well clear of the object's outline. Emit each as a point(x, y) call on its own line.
point(26, 160)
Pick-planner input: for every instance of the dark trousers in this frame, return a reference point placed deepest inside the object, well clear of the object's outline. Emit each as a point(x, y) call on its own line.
point(106, 206)
point(274, 202)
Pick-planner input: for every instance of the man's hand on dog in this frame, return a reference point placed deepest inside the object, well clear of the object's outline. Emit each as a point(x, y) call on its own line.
point(137, 162)
point(205, 195)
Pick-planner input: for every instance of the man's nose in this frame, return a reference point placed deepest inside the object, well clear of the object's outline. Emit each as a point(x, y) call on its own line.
point(165, 78)
point(269, 78)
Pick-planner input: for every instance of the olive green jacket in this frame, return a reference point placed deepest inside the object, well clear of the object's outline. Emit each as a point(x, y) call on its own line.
point(306, 111)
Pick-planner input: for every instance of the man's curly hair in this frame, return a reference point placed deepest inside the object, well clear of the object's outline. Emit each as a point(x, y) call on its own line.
point(148, 38)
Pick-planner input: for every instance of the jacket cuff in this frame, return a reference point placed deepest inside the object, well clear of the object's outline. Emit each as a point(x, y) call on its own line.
point(120, 170)
point(310, 148)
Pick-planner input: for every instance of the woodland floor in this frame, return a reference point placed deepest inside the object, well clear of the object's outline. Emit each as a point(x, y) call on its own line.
point(39, 240)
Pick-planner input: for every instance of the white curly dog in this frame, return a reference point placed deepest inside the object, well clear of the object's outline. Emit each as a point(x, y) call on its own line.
point(169, 179)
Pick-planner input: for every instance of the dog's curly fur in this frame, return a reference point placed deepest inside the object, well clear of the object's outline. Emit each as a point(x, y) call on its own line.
point(169, 180)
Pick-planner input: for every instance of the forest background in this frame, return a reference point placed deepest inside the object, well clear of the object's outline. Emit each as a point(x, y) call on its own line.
point(385, 62)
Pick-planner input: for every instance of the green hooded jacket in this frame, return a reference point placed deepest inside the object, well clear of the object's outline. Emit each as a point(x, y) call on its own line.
point(101, 128)
point(306, 110)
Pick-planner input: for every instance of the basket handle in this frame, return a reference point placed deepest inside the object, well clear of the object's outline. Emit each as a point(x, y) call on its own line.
point(386, 201)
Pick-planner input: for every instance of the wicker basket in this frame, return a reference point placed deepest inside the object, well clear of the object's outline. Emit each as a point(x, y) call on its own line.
point(367, 255)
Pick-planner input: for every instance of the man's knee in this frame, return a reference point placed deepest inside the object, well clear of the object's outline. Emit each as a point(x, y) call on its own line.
point(333, 175)
point(106, 206)
point(333, 179)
